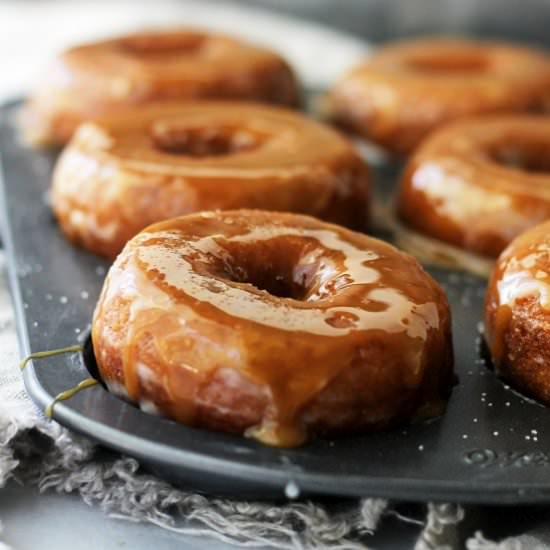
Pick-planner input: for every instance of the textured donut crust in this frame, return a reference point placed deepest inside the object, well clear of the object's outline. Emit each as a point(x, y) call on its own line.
point(454, 191)
point(111, 181)
point(526, 364)
point(520, 344)
point(371, 384)
point(395, 104)
point(99, 79)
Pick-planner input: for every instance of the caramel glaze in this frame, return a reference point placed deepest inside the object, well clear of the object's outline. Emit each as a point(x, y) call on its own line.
point(278, 326)
point(123, 173)
point(404, 91)
point(477, 184)
point(517, 313)
point(99, 79)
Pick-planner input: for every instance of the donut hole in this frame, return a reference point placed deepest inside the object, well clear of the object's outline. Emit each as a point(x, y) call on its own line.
point(162, 44)
point(281, 267)
point(271, 280)
point(526, 155)
point(446, 62)
point(204, 142)
point(267, 265)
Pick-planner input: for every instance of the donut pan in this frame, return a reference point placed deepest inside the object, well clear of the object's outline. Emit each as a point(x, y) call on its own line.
point(491, 446)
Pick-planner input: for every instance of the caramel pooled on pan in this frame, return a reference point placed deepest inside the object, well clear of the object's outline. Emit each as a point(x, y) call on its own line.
point(100, 78)
point(478, 184)
point(278, 326)
point(517, 313)
point(120, 174)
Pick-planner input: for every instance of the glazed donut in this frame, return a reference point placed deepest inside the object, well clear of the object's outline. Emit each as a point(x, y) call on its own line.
point(100, 78)
point(406, 90)
point(278, 326)
point(477, 184)
point(121, 174)
point(517, 313)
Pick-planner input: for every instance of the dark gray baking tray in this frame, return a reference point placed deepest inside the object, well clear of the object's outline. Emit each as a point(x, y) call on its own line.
point(492, 446)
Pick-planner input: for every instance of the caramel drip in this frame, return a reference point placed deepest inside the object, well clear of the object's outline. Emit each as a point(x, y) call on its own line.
point(164, 331)
point(137, 329)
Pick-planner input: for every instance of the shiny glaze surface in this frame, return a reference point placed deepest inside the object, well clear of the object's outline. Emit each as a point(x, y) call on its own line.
point(275, 325)
point(99, 79)
point(517, 313)
point(478, 184)
point(123, 173)
point(400, 94)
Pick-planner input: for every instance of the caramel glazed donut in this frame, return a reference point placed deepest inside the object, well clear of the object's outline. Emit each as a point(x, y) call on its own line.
point(119, 175)
point(400, 94)
point(278, 326)
point(517, 313)
point(477, 184)
point(101, 78)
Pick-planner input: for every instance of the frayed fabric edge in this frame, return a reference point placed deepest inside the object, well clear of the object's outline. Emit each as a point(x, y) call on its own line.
point(69, 464)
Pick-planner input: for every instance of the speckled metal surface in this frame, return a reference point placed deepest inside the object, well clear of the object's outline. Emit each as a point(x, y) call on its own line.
point(490, 447)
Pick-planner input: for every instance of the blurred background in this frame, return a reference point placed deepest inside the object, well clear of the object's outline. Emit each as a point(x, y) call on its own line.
point(380, 20)
point(31, 31)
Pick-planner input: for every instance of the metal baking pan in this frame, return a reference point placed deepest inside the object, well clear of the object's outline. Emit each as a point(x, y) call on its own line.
point(491, 447)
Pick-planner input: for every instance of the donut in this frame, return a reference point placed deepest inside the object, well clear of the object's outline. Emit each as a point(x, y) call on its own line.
point(100, 78)
point(404, 91)
point(277, 326)
point(517, 313)
point(121, 174)
point(477, 184)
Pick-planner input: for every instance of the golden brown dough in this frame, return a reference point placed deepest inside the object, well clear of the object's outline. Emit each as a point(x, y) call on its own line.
point(517, 313)
point(100, 78)
point(278, 326)
point(406, 90)
point(123, 173)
